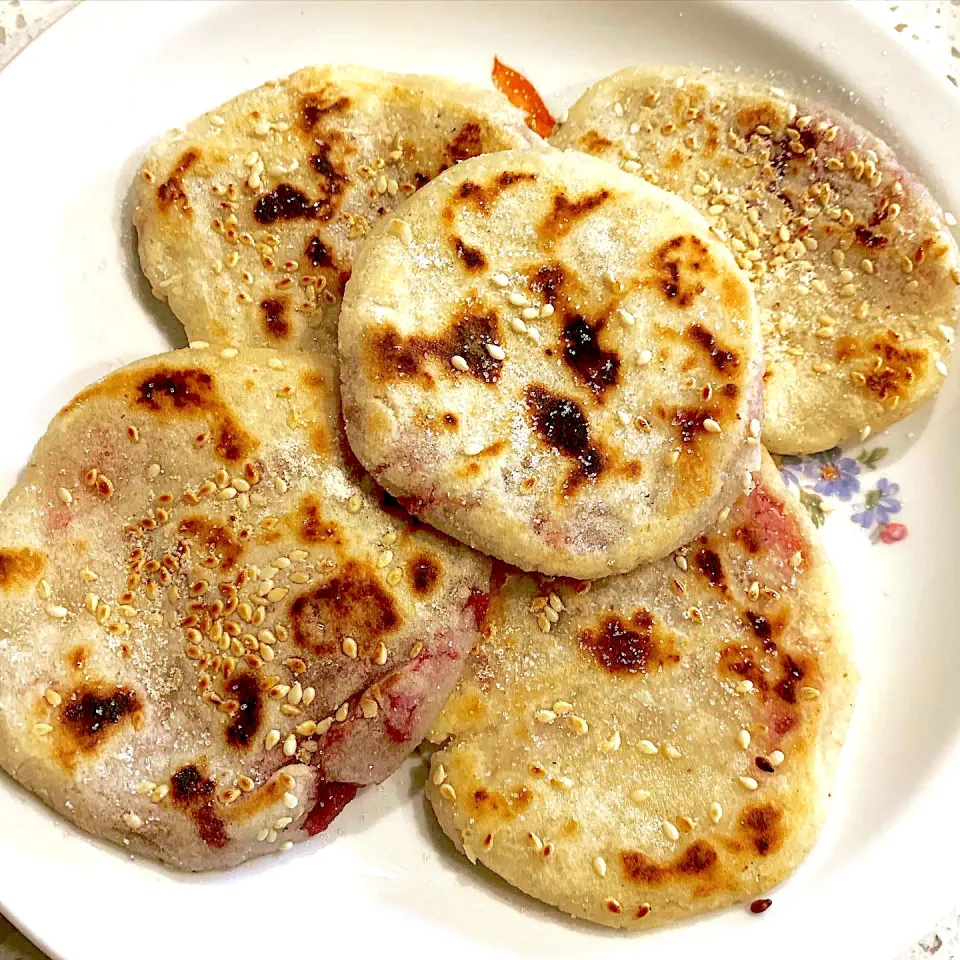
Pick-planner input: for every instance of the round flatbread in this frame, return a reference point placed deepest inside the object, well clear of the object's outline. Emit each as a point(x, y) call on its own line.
point(855, 272)
point(212, 625)
point(668, 748)
point(250, 219)
point(553, 362)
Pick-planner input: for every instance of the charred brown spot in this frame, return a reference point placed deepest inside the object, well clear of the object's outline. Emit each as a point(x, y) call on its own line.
point(760, 625)
point(561, 424)
point(634, 647)
point(192, 792)
point(91, 714)
point(20, 567)
point(311, 526)
point(689, 423)
point(566, 212)
point(482, 196)
point(709, 564)
point(679, 266)
point(317, 253)
point(77, 657)
point(450, 420)
point(424, 572)
point(193, 392)
point(867, 238)
point(593, 366)
point(792, 675)
point(466, 144)
point(763, 825)
point(492, 803)
point(314, 106)
point(593, 142)
point(548, 282)
point(894, 367)
point(721, 359)
point(215, 538)
point(352, 603)
point(246, 722)
point(471, 257)
point(692, 863)
point(761, 114)
point(171, 190)
point(274, 317)
point(284, 203)
point(394, 357)
point(333, 181)
point(847, 348)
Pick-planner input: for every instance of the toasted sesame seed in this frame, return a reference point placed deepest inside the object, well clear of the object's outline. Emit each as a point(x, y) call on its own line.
point(42, 729)
point(671, 751)
point(402, 230)
point(272, 739)
point(743, 739)
point(546, 716)
point(749, 783)
point(447, 792)
point(796, 560)
point(342, 712)
point(577, 724)
point(711, 426)
point(648, 747)
point(380, 658)
point(639, 796)
point(809, 693)
point(132, 821)
point(561, 707)
point(744, 686)
point(625, 316)
point(669, 830)
point(56, 611)
point(290, 745)
point(65, 495)
point(459, 363)
point(716, 812)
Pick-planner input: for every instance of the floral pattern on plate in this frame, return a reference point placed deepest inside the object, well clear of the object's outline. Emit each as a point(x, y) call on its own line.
point(823, 479)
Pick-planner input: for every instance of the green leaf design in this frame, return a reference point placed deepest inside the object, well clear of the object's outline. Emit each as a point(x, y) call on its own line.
point(814, 504)
point(871, 458)
point(872, 499)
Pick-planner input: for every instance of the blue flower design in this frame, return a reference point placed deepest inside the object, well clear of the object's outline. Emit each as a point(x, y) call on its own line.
point(879, 505)
point(790, 470)
point(836, 476)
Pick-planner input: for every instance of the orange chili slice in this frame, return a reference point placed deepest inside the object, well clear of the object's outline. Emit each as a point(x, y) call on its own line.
point(522, 93)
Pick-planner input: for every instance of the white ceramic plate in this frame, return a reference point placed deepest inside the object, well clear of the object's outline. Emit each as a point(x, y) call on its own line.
point(79, 108)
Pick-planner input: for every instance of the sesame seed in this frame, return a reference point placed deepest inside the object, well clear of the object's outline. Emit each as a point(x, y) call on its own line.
point(743, 739)
point(796, 560)
point(577, 724)
point(546, 716)
point(747, 481)
point(561, 783)
point(600, 866)
point(671, 751)
point(941, 368)
point(744, 686)
point(711, 426)
point(272, 739)
point(648, 747)
point(517, 299)
point(546, 311)
point(561, 707)
point(644, 357)
point(349, 646)
point(381, 655)
point(776, 758)
point(459, 363)
point(716, 812)
point(948, 334)
point(749, 783)
point(290, 745)
point(949, 219)
point(530, 313)
point(613, 905)
point(65, 495)
point(669, 830)
point(342, 712)
point(496, 351)
point(447, 792)
point(639, 796)
point(285, 846)
point(56, 611)
point(282, 823)
point(626, 317)
point(199, 345)
point(681, 561)
point(277, 594)
point(401, 229)
point(290, 801)
point(132, 821)
point(534, 841)
point(518, 326)
point(809, 693)
point(500, 280)
point(42, 729)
